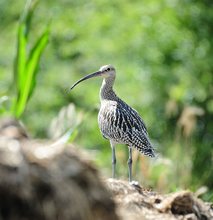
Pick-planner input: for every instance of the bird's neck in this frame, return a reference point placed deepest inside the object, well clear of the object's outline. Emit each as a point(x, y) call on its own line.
point(106, 91)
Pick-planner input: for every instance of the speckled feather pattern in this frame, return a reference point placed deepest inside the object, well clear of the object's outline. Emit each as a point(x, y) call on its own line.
point(120, 123)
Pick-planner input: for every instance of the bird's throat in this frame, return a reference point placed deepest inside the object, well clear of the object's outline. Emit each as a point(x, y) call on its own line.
point(106, 91)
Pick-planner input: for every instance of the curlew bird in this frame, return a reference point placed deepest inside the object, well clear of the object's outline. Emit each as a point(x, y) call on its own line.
point(118, 122)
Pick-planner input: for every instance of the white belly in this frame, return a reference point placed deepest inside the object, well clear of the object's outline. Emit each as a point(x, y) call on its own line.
point(106, 122)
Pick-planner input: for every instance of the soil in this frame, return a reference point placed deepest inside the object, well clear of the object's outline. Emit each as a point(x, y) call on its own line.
point(47, 180)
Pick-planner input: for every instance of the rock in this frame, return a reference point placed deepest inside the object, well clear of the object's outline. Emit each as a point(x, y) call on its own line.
point(41, 180)
point(135, 202)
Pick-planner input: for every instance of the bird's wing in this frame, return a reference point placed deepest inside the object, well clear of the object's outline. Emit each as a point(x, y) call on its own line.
point(131, 118)
point(132, 130)
point(142, 143)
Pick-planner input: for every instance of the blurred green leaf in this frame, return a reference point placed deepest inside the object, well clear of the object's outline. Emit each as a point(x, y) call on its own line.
point(20, 60)
point(26, 66)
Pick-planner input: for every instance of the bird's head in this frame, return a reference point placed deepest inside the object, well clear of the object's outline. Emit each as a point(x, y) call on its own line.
point(105, 72)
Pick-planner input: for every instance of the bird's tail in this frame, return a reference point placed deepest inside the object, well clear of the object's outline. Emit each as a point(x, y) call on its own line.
point(149, 152)
point(143, 144)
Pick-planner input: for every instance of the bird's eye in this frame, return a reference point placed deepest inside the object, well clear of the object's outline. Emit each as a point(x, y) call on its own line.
point(108, 69)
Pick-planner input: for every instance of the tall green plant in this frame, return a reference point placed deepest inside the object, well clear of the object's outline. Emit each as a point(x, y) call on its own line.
point(26, 63)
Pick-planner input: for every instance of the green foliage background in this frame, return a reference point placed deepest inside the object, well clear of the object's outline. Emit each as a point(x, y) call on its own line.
point(163, 52)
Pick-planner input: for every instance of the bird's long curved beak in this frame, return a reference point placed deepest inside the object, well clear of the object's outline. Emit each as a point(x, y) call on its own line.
point(98, 73)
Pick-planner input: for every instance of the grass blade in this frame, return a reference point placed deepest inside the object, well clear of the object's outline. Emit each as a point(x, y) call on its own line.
point(30, 72)
point(20, 60)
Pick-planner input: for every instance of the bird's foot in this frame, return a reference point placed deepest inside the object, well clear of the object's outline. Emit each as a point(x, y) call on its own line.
point(136, 186)
point(134, 183)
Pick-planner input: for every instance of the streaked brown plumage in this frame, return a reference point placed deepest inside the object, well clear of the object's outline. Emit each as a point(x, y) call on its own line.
point(117, 121)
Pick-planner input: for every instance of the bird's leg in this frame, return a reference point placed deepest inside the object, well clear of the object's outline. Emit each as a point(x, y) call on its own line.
point(113, 159)
point(130, 164)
